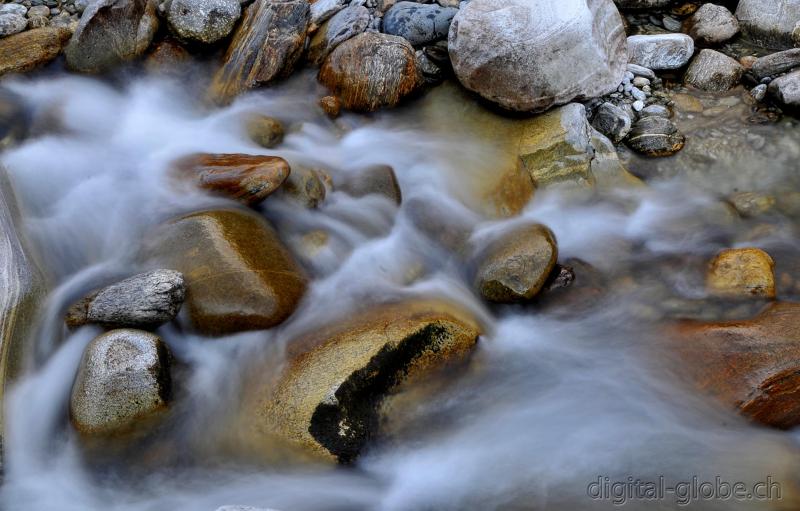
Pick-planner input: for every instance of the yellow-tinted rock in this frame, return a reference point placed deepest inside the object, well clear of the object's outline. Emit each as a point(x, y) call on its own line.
point(328, 398)
point(30, 49)
point(264, 130)
point(742, 272)
point(239, 276)
point(305, 186)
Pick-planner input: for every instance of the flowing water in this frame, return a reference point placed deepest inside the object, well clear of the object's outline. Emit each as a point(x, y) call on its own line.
point(557, 395)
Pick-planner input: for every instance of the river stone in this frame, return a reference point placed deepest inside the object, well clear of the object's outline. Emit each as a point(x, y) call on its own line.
point(168, 57)
point(264, 130)
point(11, 24)
point(418, 23)
point(513, 52)
point(750, 365)
point(203, 21)
point(769, 23)
point(322, 10)
point(375, 179)
point(556, 146)
point(21, 293)
point(111, 32)
point(712, 24)
point(776, 63)
point(515, 267)
point(612, 121)
point(713, 71)
point(15, 120)
point(265, 47)
point(371, 71)
point(13, 9)
point(123, 381)
point(329, 400)
point(246, 178)
point(786, 90)
point(305, 186)
point(642, 4)
point(146, 301)
point(662, 51)
point(28, 50)
point(239, 276)
point(656, 137)
point(344, 25)
point(741, 272)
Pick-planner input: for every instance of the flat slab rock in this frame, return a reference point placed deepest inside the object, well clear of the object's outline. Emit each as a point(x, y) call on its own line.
point(660, 52)
point(513, 52)
point(28, 50)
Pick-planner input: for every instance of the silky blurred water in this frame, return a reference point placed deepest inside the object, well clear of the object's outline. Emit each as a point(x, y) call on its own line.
point(554, 398)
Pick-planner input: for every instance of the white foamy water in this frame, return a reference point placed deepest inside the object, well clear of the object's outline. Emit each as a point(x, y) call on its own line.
point(552, 400)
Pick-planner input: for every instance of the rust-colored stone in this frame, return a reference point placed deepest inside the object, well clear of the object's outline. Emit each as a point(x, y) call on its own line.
point(167, 56)
point(246, 178)
point(752, 365)
point(28, 50)
point(371, 71)
point(266, 46)
point(331, 105)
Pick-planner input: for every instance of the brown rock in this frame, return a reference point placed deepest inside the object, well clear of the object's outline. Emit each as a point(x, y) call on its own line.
point(329, 398)
point(28, 50)
point(331, 105)
point(239, 276)
point(266, 46)
point(516, 266)
point(248, 179)
point(377, 179)
point(264, 130)
point(752, 365)
point(742, 272)
point(167, 56)
point(371, 71)
point(111, 32)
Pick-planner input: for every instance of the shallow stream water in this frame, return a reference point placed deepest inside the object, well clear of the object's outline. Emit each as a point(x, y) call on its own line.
point(557, 395)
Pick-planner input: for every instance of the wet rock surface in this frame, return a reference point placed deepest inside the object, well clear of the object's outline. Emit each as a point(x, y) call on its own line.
point(655, 136)
point(744, 272)
point(31, 49)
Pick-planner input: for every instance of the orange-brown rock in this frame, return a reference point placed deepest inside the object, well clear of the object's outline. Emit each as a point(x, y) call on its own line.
point(239, 276)
point(371, 71)
point(742, 272)
point(246, 178)
point(167, 56)
point(28, 50)
point(266, 46)
point(752, 365)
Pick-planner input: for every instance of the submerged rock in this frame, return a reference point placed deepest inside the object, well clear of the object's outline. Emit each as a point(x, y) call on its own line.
point(265, 47)
point(264, 130)
point(769, 23)
point(742, 272)
point(418, 23)
point(123, 383)
point(246, 178)
point(305, 186)
point(662, 51)
point(111, 32)
point(516, 266)
point(239, 276)
point(203, 21)
point(146, 301)
point(376, 179)
point(31, 49)
point(750, 365)
point(655, 136)
point(712, 24)
point(329, 399)
point(713, 71)
point(371, 71)
point(513, 52)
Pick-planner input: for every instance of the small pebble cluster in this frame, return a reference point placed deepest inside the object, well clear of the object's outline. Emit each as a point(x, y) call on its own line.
point(20, 15)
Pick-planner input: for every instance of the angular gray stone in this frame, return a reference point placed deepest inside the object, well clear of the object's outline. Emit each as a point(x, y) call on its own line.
point(776, 63)
point(786, 90)
point(418, 23)
point(111, 32)
point(662, 51)
point(11, 24)
point(641, 71)
point(529, 55)
point(769, 23)
point(13, 9)
point(147, 300)
point(203, 21)
point(342, 26)
point(612, 121)
point(713, 71)
point(712, 24)
point(123, 382)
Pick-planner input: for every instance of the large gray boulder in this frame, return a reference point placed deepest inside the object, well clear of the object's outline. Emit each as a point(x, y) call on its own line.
point(123, 383)
point(660, 51)
point(203, 21)
point(147, 300)
point(529, 55)
point(111, 32)
point(769, 23)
